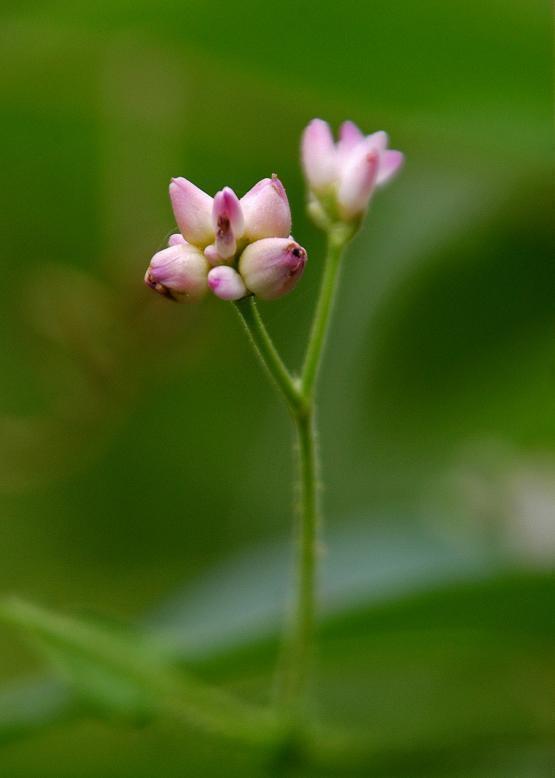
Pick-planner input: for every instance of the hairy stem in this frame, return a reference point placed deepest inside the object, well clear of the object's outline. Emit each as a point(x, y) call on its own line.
point(299, 396)
point(267, 353)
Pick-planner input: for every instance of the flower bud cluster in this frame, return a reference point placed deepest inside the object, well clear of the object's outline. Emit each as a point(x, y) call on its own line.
point(342, 176)
point(233, 247)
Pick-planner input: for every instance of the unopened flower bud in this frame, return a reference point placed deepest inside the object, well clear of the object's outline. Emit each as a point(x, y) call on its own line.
point(227, 221)
point(271, 267)
point(193, 212)
point(178, 272)
point(266, 210)
point(176, 239)
point(226, 283)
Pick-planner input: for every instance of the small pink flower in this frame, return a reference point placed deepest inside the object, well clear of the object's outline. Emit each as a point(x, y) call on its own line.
point(271, 267)
point(223, 225)
point(342, 176)
point(178, 272)
point(215, 234)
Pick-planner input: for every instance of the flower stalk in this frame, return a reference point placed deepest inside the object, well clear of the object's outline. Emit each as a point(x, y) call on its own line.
point(241, 249)
point(300, 395)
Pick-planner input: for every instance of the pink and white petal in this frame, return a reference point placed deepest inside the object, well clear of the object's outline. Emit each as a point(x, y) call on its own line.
point(390, 163)
point(319, 155)
point(233, 211)
point(176, 239)
point(266, 210)
point(226, 283)
point(357, 184)
point(377, 141)
point(211, 254)
point(349, 138)
point(193, 211)
point(226, 217)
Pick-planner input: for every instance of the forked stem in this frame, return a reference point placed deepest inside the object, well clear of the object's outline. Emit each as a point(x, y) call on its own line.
point(299, 395)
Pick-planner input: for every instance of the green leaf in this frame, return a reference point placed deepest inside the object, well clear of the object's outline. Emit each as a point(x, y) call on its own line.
point(32, 705)
point(124, 674)
point(454, 675)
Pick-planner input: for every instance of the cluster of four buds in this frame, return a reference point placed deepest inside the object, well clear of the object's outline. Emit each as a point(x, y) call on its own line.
point(241, 247)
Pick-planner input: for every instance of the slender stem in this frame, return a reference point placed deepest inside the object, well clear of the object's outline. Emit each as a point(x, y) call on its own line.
point(337, 239)
point(294, 679)
point(299, 396)
point(267, 352)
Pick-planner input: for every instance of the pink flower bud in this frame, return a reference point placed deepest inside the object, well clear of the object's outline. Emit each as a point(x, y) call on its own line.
point(357, 183)
point(193, 211)
point(266, 210)
point(228, 223)
point(318, 155)
point(211, 254)
point(178, 272)
point(271, 267)
point(226, 283)
point(176, 239)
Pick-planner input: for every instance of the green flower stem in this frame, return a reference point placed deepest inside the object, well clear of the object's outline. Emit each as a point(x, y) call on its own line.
point(338, 237)
point(268, 354)
point(299, 396)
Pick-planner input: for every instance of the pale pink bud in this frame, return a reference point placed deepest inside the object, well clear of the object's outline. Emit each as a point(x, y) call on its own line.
point(193, 211)
point(390, 164)
point(357, 183)
point(178, 272)
point(318, 154)
point(226, 283)
point(211, 254)
point(227, 221)
point(176, 239)
point(271, 267)
point(266, 210)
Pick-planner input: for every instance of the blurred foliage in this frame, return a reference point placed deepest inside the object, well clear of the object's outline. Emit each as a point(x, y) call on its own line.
point(141, 453)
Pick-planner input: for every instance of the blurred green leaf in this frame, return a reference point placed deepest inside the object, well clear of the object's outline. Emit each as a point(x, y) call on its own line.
point(124, 675)
point(457, 673)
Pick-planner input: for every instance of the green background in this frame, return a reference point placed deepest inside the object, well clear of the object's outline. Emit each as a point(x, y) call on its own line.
point(145, 465)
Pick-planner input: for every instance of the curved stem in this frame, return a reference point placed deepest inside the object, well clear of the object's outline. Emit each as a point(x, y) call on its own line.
point(267, 352)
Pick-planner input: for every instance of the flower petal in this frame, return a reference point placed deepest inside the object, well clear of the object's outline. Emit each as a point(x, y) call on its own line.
point(378, 141)
point(357, 183)
point(349, 138)
point(266, 210)
point(226, 283)
point(176, 239)
point(193, 211)
point(228, 222)
point(318, 154)
point(390, 163)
